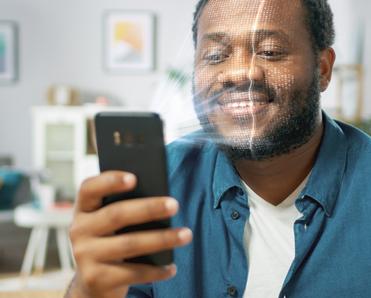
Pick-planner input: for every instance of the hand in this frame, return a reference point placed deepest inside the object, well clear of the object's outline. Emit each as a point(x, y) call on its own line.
point(99, 253)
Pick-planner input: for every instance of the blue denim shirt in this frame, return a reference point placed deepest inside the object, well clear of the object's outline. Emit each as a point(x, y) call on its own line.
point(332, 238)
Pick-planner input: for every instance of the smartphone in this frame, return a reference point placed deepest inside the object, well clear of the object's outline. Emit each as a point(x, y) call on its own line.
point(134, 142)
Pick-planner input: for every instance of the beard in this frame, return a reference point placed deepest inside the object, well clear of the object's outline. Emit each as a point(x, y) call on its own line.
point(288, 132)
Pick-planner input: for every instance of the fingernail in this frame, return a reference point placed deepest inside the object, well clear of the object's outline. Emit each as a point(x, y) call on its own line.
point(128, 178)
point(171, 268)
point(185, 234)
point(171, 204)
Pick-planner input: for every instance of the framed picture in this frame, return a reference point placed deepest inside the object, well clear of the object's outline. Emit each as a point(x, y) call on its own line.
point(8, 52)
point(129, 41)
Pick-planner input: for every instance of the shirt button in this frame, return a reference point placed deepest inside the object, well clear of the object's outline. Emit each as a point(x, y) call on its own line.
point(232, 291)
point(235, 215)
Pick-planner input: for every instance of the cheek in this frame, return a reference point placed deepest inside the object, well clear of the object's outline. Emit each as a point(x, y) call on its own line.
point(282, 76)
point(281, 80)
point(204, 79)
point(286, 80)
point(200, 79)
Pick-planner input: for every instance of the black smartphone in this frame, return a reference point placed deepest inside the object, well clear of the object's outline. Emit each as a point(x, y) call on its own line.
point(134, 142)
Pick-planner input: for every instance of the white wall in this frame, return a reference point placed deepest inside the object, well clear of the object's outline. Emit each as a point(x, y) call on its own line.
point(61, 42)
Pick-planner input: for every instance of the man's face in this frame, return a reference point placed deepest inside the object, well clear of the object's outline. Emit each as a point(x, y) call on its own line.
point(256, 77)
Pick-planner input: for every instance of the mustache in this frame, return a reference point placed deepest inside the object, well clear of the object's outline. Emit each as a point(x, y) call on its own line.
point(245, 88)
point(208, 99)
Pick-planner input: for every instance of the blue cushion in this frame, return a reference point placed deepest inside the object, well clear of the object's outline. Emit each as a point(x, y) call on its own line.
point(10, 180)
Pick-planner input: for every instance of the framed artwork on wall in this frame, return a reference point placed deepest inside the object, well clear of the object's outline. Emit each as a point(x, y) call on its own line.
point(129, 41)
point(8, 52)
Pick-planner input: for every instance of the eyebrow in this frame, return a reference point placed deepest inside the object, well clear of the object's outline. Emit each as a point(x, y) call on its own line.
point(218, 37)
point(260, 34)
point(264, 33)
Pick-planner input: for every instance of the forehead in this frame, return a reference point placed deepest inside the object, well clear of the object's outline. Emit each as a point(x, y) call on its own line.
point(236, 16)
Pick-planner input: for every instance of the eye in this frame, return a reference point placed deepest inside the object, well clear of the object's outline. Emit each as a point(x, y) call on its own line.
point(272, 55)
point(269, 53)
point(215, 57)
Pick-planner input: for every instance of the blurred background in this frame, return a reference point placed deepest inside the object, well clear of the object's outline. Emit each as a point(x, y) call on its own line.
point(62, 61)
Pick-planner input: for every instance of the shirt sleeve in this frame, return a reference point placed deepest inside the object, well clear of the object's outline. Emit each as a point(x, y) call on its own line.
point(140, 291)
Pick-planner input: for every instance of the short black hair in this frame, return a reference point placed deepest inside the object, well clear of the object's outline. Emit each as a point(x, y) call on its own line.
point(319, 19)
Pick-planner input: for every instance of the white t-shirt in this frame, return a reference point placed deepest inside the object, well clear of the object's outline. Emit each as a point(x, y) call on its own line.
point(269, 243)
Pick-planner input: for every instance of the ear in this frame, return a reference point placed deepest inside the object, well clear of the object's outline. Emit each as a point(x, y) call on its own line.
point(326, 63)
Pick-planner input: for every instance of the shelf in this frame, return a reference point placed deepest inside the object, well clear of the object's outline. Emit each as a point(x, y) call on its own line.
point(64, 144)
point(60, 155)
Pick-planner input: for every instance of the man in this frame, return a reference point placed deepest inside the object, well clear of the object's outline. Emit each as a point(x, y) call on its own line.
point(276, 193)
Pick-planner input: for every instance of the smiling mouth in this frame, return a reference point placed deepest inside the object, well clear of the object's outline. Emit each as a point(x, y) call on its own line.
point(244, 103)
point(248, 98)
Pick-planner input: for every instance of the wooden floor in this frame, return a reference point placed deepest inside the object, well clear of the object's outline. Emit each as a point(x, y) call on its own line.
point(32, 294)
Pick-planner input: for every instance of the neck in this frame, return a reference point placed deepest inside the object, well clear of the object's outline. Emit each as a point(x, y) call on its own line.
point(275, 179)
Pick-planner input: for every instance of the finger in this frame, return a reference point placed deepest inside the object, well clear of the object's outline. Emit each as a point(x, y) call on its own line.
point(114, 275)
point(137, 244)
point(94, 189)
point(126, 213)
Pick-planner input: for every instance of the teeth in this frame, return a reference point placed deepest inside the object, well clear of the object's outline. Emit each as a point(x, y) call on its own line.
point(245, 104)
point(242, 104)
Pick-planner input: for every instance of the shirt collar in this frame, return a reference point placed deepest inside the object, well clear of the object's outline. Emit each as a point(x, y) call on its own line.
point(324, 182)
point(327, 174)
point(225, 177)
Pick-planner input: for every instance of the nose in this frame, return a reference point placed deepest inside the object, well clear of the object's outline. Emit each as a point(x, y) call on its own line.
point(241, 68)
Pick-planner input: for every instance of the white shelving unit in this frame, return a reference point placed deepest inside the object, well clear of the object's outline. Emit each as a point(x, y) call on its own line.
point(63, 144)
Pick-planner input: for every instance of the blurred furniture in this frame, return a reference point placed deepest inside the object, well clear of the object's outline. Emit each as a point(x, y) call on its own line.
point(15, 238)
point(15, 188)
point(5, 215)
point(59, 142)
point(40, 222)
point(364, 125)
point(6, 161)
point(344, 74)
point(10, 180)
point(63, 143)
